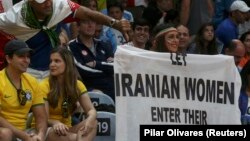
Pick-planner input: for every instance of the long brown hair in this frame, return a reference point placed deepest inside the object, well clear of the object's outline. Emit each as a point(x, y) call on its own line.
point(69, 87)
point(211, 49)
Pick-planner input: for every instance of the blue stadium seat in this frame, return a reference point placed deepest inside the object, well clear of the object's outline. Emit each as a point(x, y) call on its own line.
point(106, 126)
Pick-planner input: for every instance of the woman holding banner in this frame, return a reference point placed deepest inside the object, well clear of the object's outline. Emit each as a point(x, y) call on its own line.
point(166, 38)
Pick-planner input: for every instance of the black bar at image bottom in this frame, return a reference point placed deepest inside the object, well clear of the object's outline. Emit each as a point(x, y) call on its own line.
point(204, 132)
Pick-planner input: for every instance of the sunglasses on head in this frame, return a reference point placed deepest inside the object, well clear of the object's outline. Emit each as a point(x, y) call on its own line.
point(22, 96)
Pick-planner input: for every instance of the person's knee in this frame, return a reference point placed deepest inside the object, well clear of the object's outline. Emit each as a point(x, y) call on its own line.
point(6, 131)
point(53, 136)
point(6, 134)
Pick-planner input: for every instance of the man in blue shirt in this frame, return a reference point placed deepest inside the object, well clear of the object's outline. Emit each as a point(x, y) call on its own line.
point(228, 29)
point(222, 8)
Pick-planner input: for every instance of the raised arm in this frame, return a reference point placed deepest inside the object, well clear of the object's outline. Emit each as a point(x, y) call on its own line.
point(121, 25)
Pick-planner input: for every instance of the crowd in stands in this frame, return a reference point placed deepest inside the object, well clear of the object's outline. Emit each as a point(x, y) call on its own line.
point(37, 37)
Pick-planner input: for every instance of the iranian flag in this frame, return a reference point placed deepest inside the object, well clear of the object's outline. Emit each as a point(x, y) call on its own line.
point(132, 3)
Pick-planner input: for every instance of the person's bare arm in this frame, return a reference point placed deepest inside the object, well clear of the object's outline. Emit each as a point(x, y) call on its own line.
point(90, 122)
point(210, 7)
point(185, 11)
point(41, 120)
point(121, 25)
point(87, 106)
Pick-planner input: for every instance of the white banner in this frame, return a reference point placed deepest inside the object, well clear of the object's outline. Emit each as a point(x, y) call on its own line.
point(163, 88)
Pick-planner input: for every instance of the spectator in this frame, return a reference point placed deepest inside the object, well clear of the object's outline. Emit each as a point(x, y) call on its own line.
point(125, 14)
point(245, 26)
point(62, 90)
point(24, 21)
point(20, 94)
point(237, 15)
point(115, 37)
point(172, 17)
point(205, 41)
point(166, 39)
point(91, 4)
point(140, 36)
point(237, 50)
point(94, 59)
point(184, 38)
point(156, 11)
